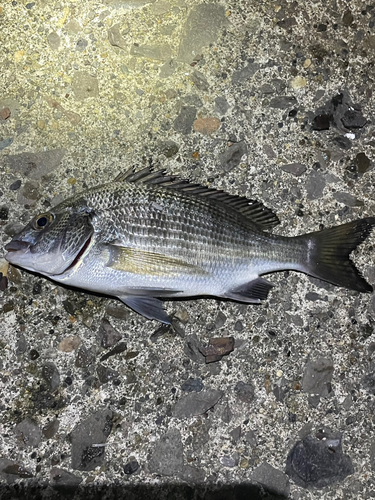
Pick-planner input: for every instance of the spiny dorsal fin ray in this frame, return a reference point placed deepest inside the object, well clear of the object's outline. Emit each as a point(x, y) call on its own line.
point(251, 209)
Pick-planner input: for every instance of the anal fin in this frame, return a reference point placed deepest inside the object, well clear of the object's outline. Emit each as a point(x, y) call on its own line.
point(149, 307)
point(252, 292)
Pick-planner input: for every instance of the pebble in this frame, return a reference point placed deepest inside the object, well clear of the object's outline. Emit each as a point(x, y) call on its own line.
point(53, 40)
point(201, 28)
point(168, 454)
point(245, 73)
point(115, 38)
point(274, 481)
point(160, 52)
point(192, 385)
point(108, 336)
point(318, 463)
point(221, 105)
point(196, 403)
point(283, 102)
point(131, 467)
point(51, 428)
point(91, 431)
point(28, 433)
point(5, 113)
point(206, 126)
point(69, 344)
point(106, 374)
point(232, 156)
point(368, 382)
point(84, 357)
point(317, 377)
point(244, 392)
point(296, 169)
point(4, 212)
point(184, 121)
point(314, 185)
point(298, 82)
point(64, 480)
point(15, 185)
point(199, 80)
point(51, 375)
point(347, 199)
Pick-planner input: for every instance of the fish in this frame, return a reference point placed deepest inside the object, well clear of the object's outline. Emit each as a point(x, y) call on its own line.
point(148, 236)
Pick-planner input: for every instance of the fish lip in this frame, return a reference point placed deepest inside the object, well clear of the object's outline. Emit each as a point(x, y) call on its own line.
point(17, 246)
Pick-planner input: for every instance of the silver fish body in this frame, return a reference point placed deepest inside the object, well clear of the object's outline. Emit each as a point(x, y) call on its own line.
point(146, 236)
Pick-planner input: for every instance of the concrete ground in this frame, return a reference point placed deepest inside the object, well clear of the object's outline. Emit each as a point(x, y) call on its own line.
point(267, 99)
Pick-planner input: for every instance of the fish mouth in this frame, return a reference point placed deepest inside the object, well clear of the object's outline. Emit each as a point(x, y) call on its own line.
point(17, 245)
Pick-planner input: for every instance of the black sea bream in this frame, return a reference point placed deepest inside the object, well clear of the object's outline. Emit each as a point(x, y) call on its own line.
point(147, 236)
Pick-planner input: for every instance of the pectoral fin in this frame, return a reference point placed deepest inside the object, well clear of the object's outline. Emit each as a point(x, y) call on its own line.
point(132, 260)
point(149, 307)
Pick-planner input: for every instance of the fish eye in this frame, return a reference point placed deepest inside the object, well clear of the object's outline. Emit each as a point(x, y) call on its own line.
point(42, 221)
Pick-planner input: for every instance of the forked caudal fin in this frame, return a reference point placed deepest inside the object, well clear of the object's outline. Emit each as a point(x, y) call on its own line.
point(328, 254)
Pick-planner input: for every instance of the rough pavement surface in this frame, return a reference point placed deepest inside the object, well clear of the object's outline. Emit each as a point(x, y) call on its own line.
point(268, 99)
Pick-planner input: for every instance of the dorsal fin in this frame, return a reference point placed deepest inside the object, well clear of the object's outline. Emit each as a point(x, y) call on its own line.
point(251, 209)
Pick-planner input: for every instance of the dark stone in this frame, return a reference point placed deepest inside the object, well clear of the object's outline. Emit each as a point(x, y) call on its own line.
point(318, 463)
point(4, 211)
point(16, 185)
point(131, 467)
point(245, 73)
point(347, 18)
point(84, 357)
point(192, 349)
point(235, 434)
point(244, 392)
point(296, 169)
point(363, 163)
point(34, 354)
point(184, 121)
point(342, 141)
point(28, 433)
point(51, 375)
point(347, 199)
point(92, 431)
point(169, 148)
point(167, 457)
point(117, 310)
point(199, 80)
point(353, 118)
point(51, 428)
point(313, 296)
point(192, 385)
point(106, 374)
point(118, 349)
point(232, 156)
point(221, 105)
point(273, 480)
point(37, 288)
point(283, 102)
point(64, 481)
point(81, 45)
point(317, 377)
point(315, 184)
point(196, 403)
point(108, 336)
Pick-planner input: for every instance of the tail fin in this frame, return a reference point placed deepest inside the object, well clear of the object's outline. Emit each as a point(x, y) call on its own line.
point(328, 254)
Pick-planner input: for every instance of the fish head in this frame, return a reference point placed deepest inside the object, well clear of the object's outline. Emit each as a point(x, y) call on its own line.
point(52, 242)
